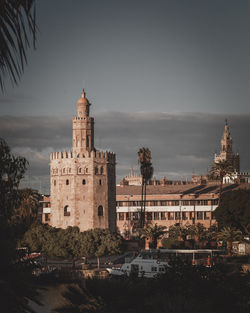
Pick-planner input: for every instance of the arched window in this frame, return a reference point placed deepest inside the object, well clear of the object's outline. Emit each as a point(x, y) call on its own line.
point(66, 210)
point(100, 182)
point(100, 210)
point(101, 170)
point(67, 182)
point(80, 170)
point(84, 182)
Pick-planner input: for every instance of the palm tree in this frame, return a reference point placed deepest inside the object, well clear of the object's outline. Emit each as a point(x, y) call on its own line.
point(153, 233)
point(18, 19)
point(28, 209)
point(229, 234)
point(219, 170)
point(147, 170)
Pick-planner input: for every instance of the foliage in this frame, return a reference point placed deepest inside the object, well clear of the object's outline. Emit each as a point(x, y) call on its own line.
point(229, 234)
point(219, 170)
point(189, 236)
point(153, 233)
point(16, 286)
point(234, 210)
point(183, 289)
point(18, 19)
point(70, 242)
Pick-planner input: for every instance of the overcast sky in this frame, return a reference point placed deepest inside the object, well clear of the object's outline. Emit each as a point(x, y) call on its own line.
point(162, 74)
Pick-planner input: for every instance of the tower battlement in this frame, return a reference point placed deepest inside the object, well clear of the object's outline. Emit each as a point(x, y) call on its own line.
point(97, 155)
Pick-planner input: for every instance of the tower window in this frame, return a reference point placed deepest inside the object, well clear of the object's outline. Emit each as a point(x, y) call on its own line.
point(100, 210)
point(100, 182)
point(67, 182)
point(96, 170)
point(101, 170)
point(84, 182)
point(66, 210)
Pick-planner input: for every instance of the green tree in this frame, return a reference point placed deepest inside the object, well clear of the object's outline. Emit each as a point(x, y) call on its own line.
point(101, 242)
point(147, 170)
point(229, 234)
point(219, 170)
point(18, 20)
point(16, 286)
point(234, 210)
point(153, 233)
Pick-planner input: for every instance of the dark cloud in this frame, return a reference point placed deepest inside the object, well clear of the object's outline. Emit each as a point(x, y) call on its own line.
point(180, 143)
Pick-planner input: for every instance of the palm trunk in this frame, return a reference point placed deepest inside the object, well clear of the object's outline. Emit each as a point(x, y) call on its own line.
point(142, 193)
point(98, 261)
point(220, 191)
point(144, 209)
point(229, 248)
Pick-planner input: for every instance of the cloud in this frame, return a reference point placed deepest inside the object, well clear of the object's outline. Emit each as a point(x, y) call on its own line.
point(180, 143)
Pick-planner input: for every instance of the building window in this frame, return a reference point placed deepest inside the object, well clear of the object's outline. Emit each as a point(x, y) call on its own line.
point(67, 182)
point(163, 216)
point(199, 215)
point(47, 217)
point(69, 170)
point(101, 170)
point(100, 182)
point(177, 215)
point(170, 215)
point(86, 170)
point(206, 216)
point(54, 182)
point(96, 170)
point(184, 216)
point(84, 182)
point(149, 216)
point(127, 216)
point(100, 210)
point(156, 216)
point(66, 210)
point(64, 170)
point(80, 170)
point(121, 217)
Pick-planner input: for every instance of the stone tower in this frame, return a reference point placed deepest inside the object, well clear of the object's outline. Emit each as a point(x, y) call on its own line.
point(82, 181)
point(226, 152)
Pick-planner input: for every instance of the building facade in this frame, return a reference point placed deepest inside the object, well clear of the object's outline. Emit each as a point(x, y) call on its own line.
point(82, 181)
point(166, 205)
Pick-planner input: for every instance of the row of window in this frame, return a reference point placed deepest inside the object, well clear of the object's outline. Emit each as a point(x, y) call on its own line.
point(66, 210)
point(167, 203)
point(83, 182)
point(156, 216)
point(98, 170)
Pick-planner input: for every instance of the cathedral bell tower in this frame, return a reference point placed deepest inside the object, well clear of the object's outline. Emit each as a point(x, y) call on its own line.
point(83, 127)
point(226, 152)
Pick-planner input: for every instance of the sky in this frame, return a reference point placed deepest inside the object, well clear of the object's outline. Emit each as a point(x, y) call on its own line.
point(161, 74)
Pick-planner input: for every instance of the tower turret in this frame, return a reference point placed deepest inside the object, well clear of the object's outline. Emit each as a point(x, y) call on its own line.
point(83, 127)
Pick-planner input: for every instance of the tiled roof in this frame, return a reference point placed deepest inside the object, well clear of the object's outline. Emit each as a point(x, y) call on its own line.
point(178, 189)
